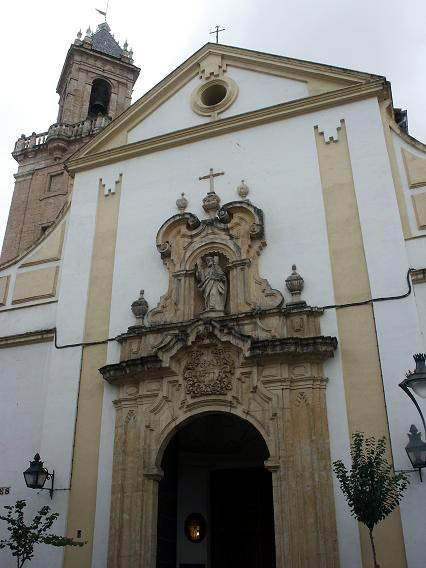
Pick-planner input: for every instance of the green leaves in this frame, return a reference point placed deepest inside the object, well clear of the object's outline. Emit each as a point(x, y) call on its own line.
point(371, 488)
point(23, 537)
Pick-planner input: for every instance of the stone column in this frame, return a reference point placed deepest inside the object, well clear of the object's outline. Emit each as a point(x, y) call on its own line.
point(306, 466)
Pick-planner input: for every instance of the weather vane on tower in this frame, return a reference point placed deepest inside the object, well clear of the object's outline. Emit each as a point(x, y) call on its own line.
point(216, 31)
point(102, 12)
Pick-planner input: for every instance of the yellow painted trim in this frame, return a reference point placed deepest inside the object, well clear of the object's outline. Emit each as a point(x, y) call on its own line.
point(399, 190)
point(35, 285)
point(27, 306)
point(225, 125)
point(415, 169)
point(365, 403)
point(82, 502)
point(50, 251)
point(45, 236)
point(39, 336)
point(419, 205)
point(4, 289)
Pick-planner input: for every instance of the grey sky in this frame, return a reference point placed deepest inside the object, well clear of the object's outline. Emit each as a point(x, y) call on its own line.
point(377, 36)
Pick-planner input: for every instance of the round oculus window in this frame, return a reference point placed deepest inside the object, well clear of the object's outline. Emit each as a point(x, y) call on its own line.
point(214, 94)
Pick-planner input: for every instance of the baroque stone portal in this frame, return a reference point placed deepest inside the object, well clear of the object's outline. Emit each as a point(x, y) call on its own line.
point(251, 356)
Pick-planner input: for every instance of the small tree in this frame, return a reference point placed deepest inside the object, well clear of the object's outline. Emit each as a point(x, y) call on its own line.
point(23, 537)
point(371, 489)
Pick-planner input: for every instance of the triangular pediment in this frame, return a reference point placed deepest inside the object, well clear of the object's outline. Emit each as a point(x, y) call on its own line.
point(258, 81)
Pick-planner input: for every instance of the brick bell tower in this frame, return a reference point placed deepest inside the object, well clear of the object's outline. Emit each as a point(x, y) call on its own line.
point(94, 87)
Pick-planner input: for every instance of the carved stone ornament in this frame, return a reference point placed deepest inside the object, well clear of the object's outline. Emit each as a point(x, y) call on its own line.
point(234, 236)
point(209, 371)
point(243, 190)
point(211, 203)
point(182, 203)
point(295, 284)
point(140, 307)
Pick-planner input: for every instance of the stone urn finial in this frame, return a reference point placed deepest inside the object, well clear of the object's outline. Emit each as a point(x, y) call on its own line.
point(140, 307)
point(182, 203)
point(295, 285)
point(243, 190)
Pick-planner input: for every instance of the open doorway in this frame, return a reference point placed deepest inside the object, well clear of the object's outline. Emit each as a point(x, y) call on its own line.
point(215, 505)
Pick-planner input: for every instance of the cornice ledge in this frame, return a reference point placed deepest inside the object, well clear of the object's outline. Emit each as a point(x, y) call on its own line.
point(320, 347)
point(225, 125)
point(418, 276)
point(112, 373)
point(39, 336)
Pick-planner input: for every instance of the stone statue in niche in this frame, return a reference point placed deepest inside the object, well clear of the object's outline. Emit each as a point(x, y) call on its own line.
point(212, 283)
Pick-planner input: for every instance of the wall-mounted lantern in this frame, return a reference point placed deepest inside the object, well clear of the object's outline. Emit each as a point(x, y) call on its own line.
point(416, 381)
point(36, 475)
point(195, 527)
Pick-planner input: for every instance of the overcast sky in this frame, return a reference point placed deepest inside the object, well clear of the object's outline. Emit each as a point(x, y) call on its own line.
point(383, 37)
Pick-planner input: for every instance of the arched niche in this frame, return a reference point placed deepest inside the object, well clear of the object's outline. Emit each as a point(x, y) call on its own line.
point(99, 98)
point(235, 234)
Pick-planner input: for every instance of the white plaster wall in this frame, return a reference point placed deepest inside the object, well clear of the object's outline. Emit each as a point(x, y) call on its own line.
point(255, 90)
point(260, 90)
point(173, 114)
point(24, 318)
point(23, 398)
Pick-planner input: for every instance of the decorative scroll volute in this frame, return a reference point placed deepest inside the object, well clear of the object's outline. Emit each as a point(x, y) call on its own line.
point(236, 237)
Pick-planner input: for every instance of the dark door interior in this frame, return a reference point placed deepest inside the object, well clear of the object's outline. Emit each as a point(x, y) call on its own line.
point(242, 523)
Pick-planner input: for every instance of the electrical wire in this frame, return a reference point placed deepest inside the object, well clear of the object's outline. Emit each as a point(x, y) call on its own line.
point(329, 307)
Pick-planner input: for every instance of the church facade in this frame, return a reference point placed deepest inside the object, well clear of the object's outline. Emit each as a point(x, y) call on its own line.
point(233, 287)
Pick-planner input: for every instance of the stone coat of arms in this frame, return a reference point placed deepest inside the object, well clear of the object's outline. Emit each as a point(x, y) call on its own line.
point(209, 372)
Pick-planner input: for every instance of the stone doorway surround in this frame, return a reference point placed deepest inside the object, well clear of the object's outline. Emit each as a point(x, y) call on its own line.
point(259, 360)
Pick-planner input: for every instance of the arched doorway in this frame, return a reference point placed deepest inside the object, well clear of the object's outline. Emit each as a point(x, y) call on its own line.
point(214, 468)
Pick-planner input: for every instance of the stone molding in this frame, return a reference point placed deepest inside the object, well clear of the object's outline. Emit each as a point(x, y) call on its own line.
point(39, 336)
point(203, 109)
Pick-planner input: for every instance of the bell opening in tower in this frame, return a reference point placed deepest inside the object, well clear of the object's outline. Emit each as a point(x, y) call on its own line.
point(99, 98)
point(215, 502)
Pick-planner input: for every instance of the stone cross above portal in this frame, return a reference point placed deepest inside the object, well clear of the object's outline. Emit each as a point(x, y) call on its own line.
point(211, 177)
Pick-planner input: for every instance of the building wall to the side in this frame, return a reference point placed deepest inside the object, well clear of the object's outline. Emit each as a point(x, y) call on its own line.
point(410, 166)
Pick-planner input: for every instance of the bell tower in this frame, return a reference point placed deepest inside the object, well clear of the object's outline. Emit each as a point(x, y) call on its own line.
point(97, 77)
point(95, 86)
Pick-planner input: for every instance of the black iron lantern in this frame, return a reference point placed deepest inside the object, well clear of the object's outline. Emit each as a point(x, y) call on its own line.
point(416, 448)
point(416, 381)
point(36, 475)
